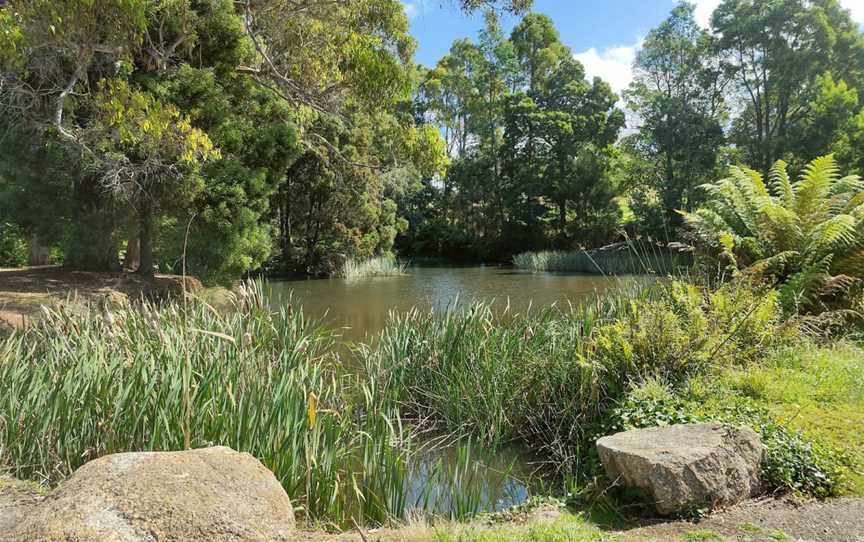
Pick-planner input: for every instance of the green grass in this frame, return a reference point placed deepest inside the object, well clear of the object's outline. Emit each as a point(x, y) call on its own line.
point(817, 390)
point(380, 266)
point(565, 527)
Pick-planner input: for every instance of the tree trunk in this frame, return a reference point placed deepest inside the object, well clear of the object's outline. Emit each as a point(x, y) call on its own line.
point(37, 253)
point(145, 240)
point(133, 254)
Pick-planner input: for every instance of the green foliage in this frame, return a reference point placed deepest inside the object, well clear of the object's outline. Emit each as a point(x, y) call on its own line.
point(775, 52)
point(13, 246)
point(530, 135)
point(807, 235)
point(678, 95)
point(170, 118)
point(460, 370)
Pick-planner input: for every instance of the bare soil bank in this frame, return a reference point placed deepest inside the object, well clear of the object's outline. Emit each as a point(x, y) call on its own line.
point(24, 291)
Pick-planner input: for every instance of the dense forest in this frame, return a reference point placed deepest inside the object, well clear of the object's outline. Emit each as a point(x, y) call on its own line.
point(291, 136)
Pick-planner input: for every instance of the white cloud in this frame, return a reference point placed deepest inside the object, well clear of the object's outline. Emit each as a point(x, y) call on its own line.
point(412, 9)
point(613, 64)
point(857, 9)
point(704, 9)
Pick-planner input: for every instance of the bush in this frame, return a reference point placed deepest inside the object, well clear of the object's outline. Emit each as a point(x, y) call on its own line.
point(13, 246)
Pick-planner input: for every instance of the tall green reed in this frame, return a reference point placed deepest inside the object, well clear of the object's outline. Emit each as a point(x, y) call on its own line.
point(548, 378)
point(379, 266)
point(627, 258)
point(84, 383)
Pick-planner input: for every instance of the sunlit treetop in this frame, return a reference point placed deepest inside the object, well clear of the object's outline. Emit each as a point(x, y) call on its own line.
point(513, 6)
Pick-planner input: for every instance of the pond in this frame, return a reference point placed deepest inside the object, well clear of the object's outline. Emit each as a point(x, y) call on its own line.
point(359, 310)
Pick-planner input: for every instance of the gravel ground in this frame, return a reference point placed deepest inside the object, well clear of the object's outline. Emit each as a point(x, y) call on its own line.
point(768, 519)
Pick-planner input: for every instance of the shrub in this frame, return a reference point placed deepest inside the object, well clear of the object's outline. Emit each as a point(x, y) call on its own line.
point(13, 247)
point(807, 235)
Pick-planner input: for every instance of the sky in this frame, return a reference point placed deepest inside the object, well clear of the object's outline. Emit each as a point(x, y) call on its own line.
point(603, 34)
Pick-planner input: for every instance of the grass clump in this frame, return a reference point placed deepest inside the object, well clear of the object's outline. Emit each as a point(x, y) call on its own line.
point(619, 259)
point(82, 384)
point(379, 266)
point(562, 527)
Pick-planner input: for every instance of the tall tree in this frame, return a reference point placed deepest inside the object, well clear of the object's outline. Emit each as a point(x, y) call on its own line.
point(776, 50)
point(677, 97)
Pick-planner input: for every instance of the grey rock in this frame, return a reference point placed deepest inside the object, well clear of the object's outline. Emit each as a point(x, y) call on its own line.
point(212, 494)
point(686, 467)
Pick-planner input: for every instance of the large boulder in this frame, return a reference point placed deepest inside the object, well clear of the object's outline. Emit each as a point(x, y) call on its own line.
point(685, 467)
point(211, 494)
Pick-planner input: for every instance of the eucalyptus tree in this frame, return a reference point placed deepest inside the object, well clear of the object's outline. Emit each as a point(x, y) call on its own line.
point(677, 98)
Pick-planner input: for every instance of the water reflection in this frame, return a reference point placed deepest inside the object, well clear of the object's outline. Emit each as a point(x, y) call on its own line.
point(462, 479)
point(362, 307)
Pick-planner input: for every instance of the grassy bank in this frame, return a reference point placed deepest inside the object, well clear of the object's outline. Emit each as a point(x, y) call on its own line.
point(380, 266)
point(551, 378)
point(81, 384)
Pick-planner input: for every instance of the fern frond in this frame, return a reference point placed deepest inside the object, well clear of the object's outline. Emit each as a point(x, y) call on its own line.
point(813, 188)
point(802, 288)
point(782, 186)
point(835, 233)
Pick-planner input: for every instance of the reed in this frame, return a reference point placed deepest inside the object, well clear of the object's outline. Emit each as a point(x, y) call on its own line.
point(627, 258)
point(379, 266)
point(84, 383)
point(548, 378)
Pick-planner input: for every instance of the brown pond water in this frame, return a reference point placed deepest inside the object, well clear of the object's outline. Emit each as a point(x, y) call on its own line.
point(360, 308)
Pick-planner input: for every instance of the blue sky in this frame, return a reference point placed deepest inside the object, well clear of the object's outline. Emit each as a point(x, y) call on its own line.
point(603, 34)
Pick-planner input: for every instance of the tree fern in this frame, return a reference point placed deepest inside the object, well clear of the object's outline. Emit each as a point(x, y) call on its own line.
point(807, 235)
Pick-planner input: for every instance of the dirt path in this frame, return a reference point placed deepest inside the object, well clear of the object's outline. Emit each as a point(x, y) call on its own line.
point(768, 519)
